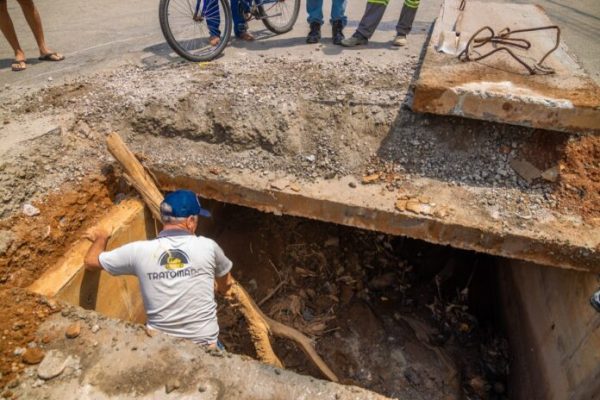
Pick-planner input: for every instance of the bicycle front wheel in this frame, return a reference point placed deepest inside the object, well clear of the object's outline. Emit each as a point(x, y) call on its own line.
point(279, 16)
point(197, 30)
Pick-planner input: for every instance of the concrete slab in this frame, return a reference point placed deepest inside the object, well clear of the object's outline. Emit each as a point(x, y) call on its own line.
point(452, 218)
point(498, 88)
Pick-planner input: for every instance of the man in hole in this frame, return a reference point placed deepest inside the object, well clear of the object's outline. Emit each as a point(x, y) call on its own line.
point(177, 271)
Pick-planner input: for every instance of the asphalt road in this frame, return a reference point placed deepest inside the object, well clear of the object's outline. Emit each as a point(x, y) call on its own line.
point(105, 34)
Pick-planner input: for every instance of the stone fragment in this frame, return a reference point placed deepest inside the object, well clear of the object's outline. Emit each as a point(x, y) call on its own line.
point(279, 184)
point(18, 351)
point(52, 365)
point(73, 330)
point(370, 178)
point(38, 382)
point(172, 385)
point(417, 207)
point(551, 174)
point(95, 328)
point(6, 239)
point(525, 170)
point(382, 281)
point(401, 205)
point(295, 187)
point(30, 210)
point(33, 356)
point(479, 386)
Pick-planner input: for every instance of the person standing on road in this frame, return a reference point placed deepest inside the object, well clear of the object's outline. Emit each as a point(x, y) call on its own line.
point(338, 20)
point(35, 23)
point(240, 26)
point(372, 18)
point(177, 271)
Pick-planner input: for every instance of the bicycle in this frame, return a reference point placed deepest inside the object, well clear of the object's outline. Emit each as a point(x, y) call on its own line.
point(199, 30)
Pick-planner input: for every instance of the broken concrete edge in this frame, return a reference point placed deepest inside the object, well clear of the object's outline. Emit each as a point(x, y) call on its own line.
point(568, 102)
point(503, 107)
point(372, 207)
point(120, 360)
point(66, 268)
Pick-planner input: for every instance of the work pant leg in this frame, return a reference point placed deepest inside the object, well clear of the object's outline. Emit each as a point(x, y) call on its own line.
point(314, 9)
point(338, 11)
point(407, 16)
point(372, 17)
point(239, 23)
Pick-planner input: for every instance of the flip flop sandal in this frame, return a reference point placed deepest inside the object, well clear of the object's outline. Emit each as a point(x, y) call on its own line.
point(19, 65)
point(51, 57)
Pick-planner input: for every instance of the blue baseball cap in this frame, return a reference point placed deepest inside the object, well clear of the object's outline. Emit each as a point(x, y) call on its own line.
point(182, 204)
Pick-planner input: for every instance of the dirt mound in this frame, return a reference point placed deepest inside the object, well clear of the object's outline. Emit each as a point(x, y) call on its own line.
point(579, 189)
point(31, 244)
point(21, 313)
point(36, 242)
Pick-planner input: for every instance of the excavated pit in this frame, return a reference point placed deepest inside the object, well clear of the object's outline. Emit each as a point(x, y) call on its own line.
point(398, 316)
point(395, 315)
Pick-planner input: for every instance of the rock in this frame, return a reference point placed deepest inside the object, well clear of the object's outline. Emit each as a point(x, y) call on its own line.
point(30, 211)
point(172, 385)
point(551, 174)
point(382, 281)
point(525, 170)
point(332, 241)
point(73, 330)
point(401, 205)
point(417, 207)
point(53, 365)
point(352, 185)
point(33, 356)
point(6, 239)
point(18, 351)
point(370, 178)
point(38, 382)
point(280, 184)
point(95, 328)
point(479, 386)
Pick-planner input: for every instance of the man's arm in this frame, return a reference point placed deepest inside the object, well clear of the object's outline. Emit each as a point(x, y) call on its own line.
point(224, 283)
point(99, 238)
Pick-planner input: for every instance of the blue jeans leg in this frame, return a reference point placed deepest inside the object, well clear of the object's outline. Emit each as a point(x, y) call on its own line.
point(314, 9)
point(239, 24)
point(338, 11)
point(210, 10)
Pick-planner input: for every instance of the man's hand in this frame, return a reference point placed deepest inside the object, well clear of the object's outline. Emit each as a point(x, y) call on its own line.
point(99, 237)
point(96, 233)
point(224, 283)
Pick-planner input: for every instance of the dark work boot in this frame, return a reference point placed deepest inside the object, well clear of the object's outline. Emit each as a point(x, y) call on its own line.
point(336, 34)
point(315, 33)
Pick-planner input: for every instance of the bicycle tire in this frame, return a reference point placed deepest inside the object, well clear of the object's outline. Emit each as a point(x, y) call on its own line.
point(286, 27)
point(163, 16)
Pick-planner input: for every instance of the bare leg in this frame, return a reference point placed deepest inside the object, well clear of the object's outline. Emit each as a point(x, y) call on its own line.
point(35, 23)
point(7, 28)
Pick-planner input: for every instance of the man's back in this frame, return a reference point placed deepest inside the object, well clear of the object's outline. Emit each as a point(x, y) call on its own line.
point(176, 273)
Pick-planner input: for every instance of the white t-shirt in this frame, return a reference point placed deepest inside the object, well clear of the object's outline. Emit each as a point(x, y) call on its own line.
point(176, 273)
